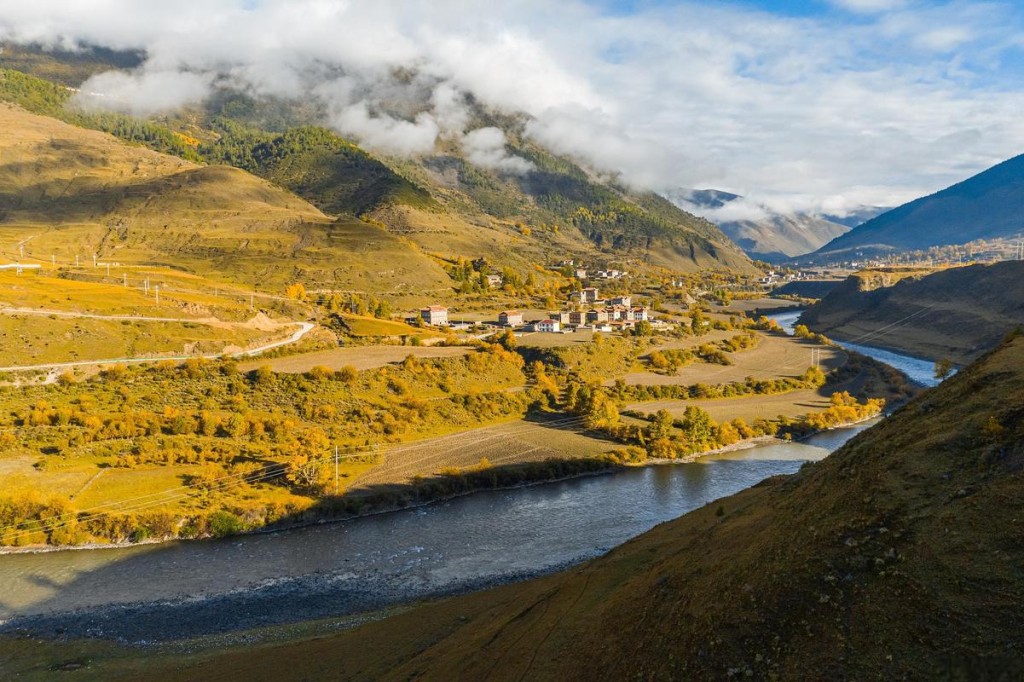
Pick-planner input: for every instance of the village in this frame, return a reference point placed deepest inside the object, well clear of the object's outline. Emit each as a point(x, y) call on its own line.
point(585, 310)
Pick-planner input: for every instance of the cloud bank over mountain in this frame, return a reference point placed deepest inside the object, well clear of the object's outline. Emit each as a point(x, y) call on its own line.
point(858, 102)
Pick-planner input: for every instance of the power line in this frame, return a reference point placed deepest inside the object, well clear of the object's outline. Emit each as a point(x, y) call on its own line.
point(264, 473)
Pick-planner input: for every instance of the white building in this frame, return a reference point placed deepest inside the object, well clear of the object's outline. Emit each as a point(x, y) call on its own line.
point(549, 326)
point(435, 315)
point(510, 318)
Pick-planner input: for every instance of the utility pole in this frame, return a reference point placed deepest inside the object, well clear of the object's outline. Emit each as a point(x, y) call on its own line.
point(125, 284)
point(157, 290)
point(21, 248)
point(335, 469)
point(53, 260)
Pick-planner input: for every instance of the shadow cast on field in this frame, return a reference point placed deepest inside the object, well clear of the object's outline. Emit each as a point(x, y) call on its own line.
point(183, 589)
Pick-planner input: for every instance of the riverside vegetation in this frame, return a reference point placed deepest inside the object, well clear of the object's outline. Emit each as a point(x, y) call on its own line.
point(201, 448)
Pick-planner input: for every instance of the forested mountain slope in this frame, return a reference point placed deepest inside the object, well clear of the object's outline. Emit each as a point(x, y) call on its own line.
point(66, 192)
point(988, 205)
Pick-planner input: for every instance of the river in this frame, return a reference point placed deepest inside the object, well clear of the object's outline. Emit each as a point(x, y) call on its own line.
point(364, 563)
point(181, 589)
point(920, 371)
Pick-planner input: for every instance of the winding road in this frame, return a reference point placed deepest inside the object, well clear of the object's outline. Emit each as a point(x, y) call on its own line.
point(303, 329)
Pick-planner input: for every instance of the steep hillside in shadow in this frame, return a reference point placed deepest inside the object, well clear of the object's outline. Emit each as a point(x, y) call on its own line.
point(956, 314)
point(898, 557)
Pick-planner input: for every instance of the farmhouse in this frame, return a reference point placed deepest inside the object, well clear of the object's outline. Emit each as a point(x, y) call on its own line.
point(435, 315)
point(510, 318)
point(562, 317)
point(626, 301)
point(549, 326)
point(640, 313)
point(495, 281)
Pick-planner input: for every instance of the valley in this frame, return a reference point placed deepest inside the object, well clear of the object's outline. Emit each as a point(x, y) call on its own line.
point(388, 343)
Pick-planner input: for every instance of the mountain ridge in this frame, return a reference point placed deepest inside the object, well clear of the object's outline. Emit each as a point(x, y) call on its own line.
point(576, 215)
point(954, 314)
point(768, 235)
point(984, 206)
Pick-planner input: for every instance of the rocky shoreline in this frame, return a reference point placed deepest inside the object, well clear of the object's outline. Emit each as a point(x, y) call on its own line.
point(277, 602)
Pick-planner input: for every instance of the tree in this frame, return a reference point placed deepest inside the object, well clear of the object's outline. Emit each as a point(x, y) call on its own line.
point(296, 291)
point(661, 427)
point(801, 331)
point(307, 472)
point(643, 328)
point(599, 411)
point(699, 426)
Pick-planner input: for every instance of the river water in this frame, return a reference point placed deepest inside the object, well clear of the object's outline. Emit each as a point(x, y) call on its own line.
point(920, 371)
point(186, 588)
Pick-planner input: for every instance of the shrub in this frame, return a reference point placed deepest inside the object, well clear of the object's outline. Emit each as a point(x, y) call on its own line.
point(224, 523)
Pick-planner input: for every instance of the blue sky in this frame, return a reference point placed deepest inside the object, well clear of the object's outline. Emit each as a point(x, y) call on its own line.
point(823, 104)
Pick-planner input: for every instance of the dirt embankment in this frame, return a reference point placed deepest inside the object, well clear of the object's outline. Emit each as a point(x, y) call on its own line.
point(957, 313)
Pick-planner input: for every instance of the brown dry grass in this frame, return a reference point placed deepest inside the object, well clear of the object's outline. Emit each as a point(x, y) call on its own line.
point(747, 408)
point(510, 443)
point(775, 356)
point(360, 357)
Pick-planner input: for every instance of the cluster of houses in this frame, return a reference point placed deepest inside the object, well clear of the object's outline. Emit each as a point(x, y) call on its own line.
point(582, 273)
point(589, 311)
point(773, 277)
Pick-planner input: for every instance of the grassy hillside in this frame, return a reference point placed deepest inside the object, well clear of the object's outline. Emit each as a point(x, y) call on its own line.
point(67, 191)
point(880, 562)
point(957, 314)
point(985, 206)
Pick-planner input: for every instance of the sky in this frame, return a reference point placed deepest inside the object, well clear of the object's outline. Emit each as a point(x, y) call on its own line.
point(820, 105)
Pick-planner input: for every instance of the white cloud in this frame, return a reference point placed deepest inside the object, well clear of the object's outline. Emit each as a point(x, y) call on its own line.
point(485, 147)
point(869, 6)
point(386, 134)
point(880, 106)
point(144, 92)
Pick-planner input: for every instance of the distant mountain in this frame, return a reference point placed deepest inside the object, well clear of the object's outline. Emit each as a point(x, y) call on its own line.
point(762, 233)
point(858, 216)
point(989, 205)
